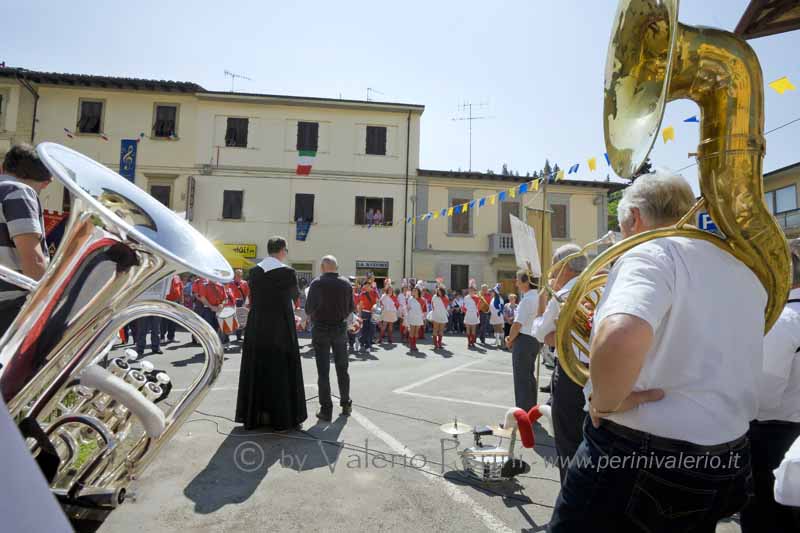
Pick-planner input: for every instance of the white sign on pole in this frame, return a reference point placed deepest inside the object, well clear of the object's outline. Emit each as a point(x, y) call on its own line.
point(526, 251)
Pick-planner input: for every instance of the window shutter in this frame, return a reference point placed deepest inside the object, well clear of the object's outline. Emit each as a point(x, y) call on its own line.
point(388, 211)
point(360, 219)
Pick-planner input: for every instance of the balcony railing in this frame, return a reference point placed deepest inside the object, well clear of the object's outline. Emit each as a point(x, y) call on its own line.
point(501, 243)
point(789, 220)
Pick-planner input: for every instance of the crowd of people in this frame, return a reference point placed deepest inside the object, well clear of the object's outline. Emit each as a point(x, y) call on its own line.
point(415, 309)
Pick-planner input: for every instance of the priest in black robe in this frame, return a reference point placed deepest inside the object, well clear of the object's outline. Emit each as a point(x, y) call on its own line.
point(271, 378)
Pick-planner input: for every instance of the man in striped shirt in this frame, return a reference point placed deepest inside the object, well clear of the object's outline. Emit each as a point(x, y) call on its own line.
point(22, 238)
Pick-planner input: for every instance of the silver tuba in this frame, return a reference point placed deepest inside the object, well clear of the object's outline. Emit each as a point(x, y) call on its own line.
point(93, 424)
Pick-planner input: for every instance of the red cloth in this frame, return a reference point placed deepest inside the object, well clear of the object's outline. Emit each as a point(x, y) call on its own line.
point(175, 293)
point(240, 289)
point(525, 428)
point(396, 302)
point(367, 300)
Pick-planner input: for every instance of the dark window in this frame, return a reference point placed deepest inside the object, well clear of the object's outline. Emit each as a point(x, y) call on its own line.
point(161, 193)
point(165, 122)
point(91, 117)
point(307, 136)
point(376, 140)
point(506, 209)
point(459, 277)
point(236, 132)
point(304, 207)
point(374, 211)
point(558, 221)
point(66, 201)
point(232, 204)
point(460, 221)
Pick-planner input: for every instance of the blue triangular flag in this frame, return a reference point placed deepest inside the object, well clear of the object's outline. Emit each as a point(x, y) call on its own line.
point(523, 188)
point(501, 196)
point(693, 118)
point(457, 209)
point(472, 204)
point(482, 202)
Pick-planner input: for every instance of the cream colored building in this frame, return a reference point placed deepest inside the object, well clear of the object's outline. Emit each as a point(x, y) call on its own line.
point(478, 244)
point(229, 159)
point(781, 195)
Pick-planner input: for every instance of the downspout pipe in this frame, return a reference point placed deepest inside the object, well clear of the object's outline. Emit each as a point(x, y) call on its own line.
point(25, 83)
point(405, 194)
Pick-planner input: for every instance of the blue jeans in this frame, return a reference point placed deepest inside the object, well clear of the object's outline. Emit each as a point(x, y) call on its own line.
point(484, 328)
point(151, 324)
point(367, 330)
point(624, 480)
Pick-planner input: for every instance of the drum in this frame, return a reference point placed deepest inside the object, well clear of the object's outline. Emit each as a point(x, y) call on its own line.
point(227, 320)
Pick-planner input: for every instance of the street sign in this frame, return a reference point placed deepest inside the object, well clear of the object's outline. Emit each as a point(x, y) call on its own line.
point(705, 223)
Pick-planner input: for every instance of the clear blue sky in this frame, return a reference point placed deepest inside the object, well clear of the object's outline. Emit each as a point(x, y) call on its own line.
point(537, 64)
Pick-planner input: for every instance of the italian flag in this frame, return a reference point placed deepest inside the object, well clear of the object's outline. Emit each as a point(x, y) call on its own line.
point(305, 158)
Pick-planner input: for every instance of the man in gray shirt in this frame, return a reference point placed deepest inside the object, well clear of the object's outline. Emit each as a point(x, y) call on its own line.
point(22, 237)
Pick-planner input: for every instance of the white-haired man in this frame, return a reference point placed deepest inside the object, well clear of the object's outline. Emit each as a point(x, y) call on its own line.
point(567, 396)
point(329, 304)
point(676, 351)
point(777, 425)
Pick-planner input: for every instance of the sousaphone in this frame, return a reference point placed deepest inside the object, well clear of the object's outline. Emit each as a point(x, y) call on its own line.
point(653, 59)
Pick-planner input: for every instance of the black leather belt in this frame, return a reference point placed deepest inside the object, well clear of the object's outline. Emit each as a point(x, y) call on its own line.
point(670, 445)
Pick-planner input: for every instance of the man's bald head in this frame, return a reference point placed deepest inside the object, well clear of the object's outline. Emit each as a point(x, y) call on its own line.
point(329, 264)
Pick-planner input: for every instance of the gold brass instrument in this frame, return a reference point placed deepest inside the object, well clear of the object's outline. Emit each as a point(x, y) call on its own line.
point(98, 419)
point(653, 59)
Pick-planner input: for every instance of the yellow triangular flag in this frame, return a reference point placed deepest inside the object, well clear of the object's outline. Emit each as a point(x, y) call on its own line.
point(414, 221)
point(535, 185)
point(782, 85)
point(668, 134)
point(436, 214)
point(560, 175)
point(592, 163)
point(450, 212)
point(465, 207)
point(491, 199)
point(512, 192)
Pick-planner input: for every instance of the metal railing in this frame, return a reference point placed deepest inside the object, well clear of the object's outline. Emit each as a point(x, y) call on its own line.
point(789, 220)
point(501, 243)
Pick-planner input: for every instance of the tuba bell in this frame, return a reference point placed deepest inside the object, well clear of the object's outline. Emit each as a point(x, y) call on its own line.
point(653, 59)
point(93, 425)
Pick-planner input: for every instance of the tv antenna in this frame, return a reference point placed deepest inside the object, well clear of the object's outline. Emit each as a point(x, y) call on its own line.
point(233, 76)
point(370, 90)
point(466, 107)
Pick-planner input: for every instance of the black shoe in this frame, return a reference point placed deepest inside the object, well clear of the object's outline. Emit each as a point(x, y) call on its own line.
point(347, 409)
point(546, 388)
point(325, 414)
point(158, 351)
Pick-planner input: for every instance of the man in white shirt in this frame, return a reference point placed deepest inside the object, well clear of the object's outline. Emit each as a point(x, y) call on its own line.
point(777, 425)
point(567, 396)
point(676, 352)
point(523, 345)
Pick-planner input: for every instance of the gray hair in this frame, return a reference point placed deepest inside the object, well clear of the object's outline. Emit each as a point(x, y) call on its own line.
point(576, 264)
point(330, 261)
point(794, 248)
point(662, 198)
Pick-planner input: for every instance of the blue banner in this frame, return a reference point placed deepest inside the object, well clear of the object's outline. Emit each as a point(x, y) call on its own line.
point(127, 158)
point(302, 230)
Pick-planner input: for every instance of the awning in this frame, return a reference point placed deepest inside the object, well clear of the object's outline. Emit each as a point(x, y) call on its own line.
point(234, 259)
point(768, 17)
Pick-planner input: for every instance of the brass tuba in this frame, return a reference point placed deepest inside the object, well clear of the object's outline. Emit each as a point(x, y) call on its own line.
point(93, 425)
point(653, 59)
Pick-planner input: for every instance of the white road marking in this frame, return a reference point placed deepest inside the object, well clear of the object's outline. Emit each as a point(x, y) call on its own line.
point(482, 371)
point(491, 522)
point(456, 400)
point(436, 376)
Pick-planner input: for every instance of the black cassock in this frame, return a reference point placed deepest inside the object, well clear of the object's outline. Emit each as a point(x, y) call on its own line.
point(271, 378)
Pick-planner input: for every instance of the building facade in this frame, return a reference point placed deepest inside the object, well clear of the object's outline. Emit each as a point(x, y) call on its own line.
point(477, 244)
point(332, 176)
point(780, 193)
point(229, 161)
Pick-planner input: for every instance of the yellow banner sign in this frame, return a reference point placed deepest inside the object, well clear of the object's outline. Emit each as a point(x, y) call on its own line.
point(244, 250)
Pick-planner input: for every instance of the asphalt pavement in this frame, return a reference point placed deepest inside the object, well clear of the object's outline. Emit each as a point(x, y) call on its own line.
point(385, 468)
